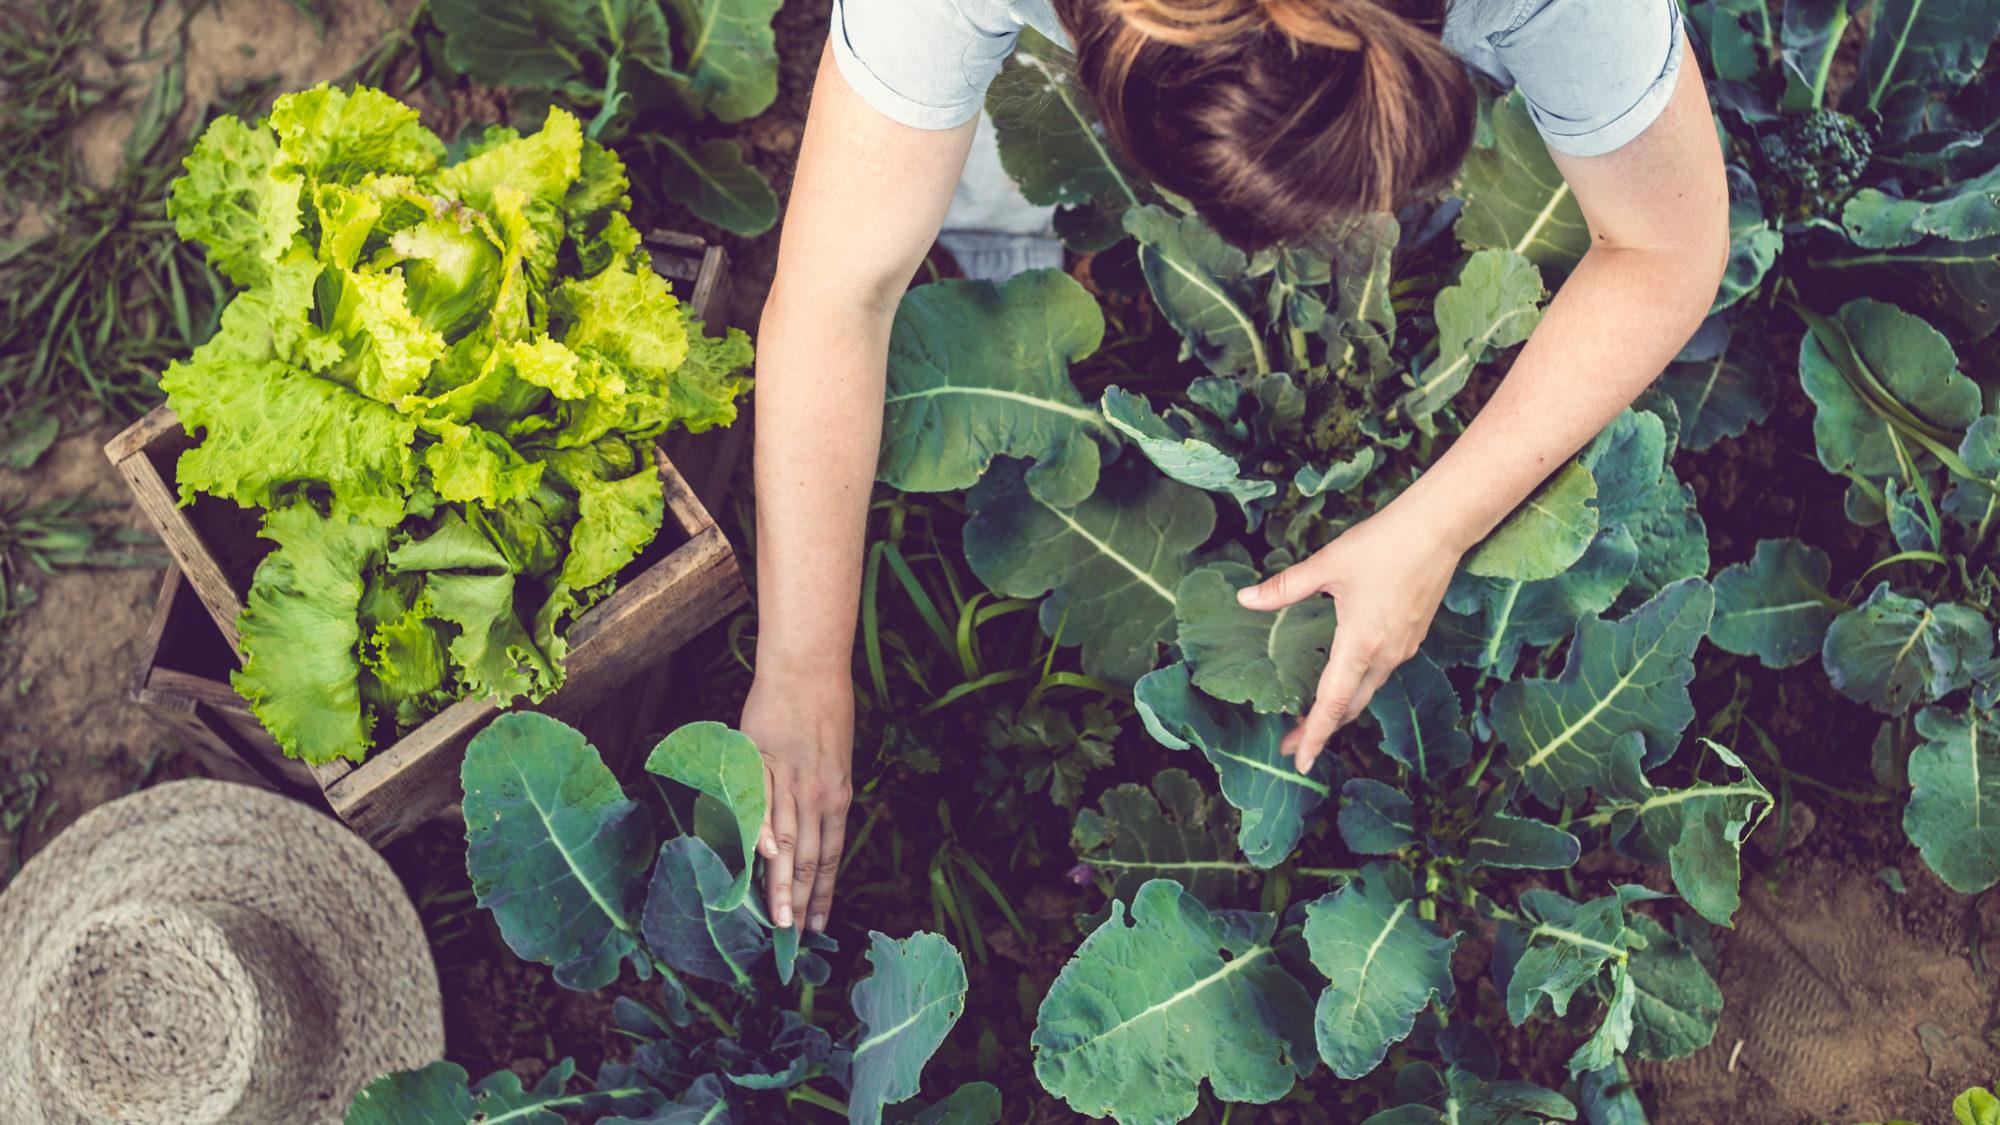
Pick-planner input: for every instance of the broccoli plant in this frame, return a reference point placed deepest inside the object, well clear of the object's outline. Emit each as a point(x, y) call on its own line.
point(1876, 238)
point(1815, 160)
point(579, 878)
point(1283, 920)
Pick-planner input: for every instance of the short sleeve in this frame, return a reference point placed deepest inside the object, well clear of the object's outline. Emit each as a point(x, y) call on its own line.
point(1594, 73)
point(923, 63)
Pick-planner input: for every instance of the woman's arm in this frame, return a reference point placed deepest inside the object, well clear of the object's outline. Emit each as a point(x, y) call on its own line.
point(866, 203)
point(1658, 211)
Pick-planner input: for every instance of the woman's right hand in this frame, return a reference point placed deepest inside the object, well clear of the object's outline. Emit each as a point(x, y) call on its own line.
point(802, 721)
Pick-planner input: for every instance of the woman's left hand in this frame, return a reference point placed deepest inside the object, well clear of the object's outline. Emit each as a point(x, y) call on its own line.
point(1386, 576)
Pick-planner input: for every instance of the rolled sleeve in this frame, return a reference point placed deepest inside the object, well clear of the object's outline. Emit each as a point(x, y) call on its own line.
point(1594, 73)
point(922, 63)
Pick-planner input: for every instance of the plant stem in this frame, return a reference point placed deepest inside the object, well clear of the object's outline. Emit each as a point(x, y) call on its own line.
point(813, 1097)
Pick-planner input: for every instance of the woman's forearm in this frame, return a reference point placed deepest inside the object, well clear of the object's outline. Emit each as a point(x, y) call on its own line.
point(820, 371)
point(1611, 329)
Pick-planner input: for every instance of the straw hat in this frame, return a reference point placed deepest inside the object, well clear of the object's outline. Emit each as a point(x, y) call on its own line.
point(205, 952)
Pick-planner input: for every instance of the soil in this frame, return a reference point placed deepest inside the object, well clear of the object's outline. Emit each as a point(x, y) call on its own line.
point(68, 661)
point(1845, 999)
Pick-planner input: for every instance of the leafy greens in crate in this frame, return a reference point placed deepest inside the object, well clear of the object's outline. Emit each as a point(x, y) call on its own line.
point(441, 383)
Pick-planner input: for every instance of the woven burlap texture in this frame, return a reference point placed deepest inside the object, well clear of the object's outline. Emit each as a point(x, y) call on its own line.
point(202, 952)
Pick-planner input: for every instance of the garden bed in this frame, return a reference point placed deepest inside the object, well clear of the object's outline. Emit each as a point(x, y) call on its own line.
point(684, 581)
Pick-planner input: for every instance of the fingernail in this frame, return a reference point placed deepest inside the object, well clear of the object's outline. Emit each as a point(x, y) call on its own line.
point(1244, 595)
point(818, 923)
point(784, 915)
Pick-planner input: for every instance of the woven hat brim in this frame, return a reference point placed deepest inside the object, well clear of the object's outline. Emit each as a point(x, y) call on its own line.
point(211, 841)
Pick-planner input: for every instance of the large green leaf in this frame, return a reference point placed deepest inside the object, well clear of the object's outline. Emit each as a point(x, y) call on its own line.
point(1808, 36)
point(1382, 962)
point(1516, 199)
point(1776, 606)
point(1270, 660)
point(1419, 713)
point(724, 764)
point(1894, 652)
point(1699, 830)
point(1560, 946)
point(443, 1094)
point(1955, 798)
point(703, 1102)
point(729, 55)
point(1182, 456)
point(1460, 1097)
point(1622, 676)
point(1495, 303)
point(1726, 394)
point(1504, 840)
point(1113, 562)
point(1197, 279)
point(718, 185)
point(1677, 1004)
point(906, 1006)
point(975, 1103)
point(555, 850)
point(540, 44)
point(1753, 242)
point(1546, 534)
point(1877, 374)
point(1363, 315)
point(1184, 835)
point(301, 633)
point(1143, 1012)
point(977, 371)
point(688, 934)
point(1962, 212)
point(1918, 48)
point(1048, 136)
point(1734, 32)
point(1243, 747)
point(1486, 622)
point(1375, 818)
point(1638, 493)
point(1957, 282)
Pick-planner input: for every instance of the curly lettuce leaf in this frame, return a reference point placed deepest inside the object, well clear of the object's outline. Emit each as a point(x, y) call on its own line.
point(628, 317)
point(333, 135)
point(452, 272)
point(404, 669)
point(301, 634)
point(702, 391)
point(235, 200)
point(471, 465)
point(616, 519)
point(270, 431)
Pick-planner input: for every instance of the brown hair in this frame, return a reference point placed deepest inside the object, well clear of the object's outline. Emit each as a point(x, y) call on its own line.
point(1277, 118)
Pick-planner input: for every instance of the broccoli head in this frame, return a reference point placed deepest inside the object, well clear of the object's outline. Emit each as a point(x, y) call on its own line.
point(1815, 161)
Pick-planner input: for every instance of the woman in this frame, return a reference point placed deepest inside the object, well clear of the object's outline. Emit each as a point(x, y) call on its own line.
point(1275, 118)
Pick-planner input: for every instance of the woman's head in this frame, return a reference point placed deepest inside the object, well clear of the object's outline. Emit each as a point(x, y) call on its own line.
point(1277, 118)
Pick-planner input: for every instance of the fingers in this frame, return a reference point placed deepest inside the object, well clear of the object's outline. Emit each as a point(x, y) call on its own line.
point(1289, 586)
point(1332, 704)
point(806, 868)
point(781, 858)
point(832, 838)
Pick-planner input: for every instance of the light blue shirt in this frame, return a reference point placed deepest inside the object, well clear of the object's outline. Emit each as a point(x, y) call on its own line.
point(1594, 73)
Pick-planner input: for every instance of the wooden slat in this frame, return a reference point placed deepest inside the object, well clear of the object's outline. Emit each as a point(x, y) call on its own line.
point(158, 502)
point(140, 434)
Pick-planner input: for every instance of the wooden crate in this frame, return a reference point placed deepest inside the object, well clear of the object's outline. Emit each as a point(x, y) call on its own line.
point(684, 582)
